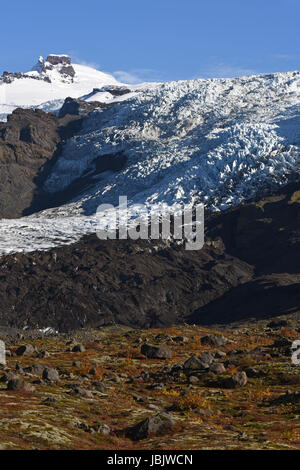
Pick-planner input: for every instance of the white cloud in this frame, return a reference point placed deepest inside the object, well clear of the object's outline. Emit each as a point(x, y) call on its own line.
point(222, 70)
point(93, 65)
point(285, 56)
point(137, 76)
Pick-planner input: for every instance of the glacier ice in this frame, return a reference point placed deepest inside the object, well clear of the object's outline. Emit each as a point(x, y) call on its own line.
point(217, 141)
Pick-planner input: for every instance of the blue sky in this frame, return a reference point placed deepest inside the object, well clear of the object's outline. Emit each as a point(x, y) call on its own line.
point(155, 39)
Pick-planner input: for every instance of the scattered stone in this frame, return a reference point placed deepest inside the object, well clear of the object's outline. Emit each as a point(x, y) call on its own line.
point(102, 429)
point(139, 398)
point(35, 369)
point(18, 385)
point(78, 348)
point(43, 354)
point(26, 350)
point(220, 354)
point(206, 359)
point(116, 379)
point(99, 428)
point(154, 425)
point(81, 392)
point(99, 386)
point(156, 352)
point(214, 340)
point(50, 374)
point(217, 368)
point(7, 377)
point(252, 372)
point(49, 401)
point(239, 379)
point(199, 363)
point(180, 339)
point(193, 379)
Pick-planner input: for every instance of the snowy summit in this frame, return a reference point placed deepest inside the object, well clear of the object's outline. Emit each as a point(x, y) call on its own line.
point(48, 84)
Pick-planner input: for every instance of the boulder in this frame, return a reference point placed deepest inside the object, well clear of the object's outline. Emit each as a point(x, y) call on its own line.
point(206, 359)
point(199, 363)
point(50, 374)
point(19, 385)
point(26, 350)
point(8, 376)
point(35, 369)
point(155, 425)
point(239, 379)
point(156, 352)
point(217, 368)
point(180, 339)
point(78, 348)
point(214, 340)
point(220, 354)
point(81, 392)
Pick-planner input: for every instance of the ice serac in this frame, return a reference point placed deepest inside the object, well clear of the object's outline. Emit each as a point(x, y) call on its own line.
point(219, 141)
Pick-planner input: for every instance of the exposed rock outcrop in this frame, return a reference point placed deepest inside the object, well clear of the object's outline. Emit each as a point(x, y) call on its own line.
point(247, 269)
point(30, 142)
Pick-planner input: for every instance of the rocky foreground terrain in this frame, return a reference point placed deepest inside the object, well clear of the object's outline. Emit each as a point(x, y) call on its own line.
point(177, 388)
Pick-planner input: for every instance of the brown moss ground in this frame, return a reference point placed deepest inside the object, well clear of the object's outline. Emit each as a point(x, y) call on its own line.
point(242, 418)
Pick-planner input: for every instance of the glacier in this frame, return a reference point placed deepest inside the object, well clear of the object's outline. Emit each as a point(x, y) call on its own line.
point(215, 141)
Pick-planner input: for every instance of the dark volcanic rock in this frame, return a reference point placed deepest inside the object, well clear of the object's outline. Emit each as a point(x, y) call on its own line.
point(239, 379)
point(28, 141)
point(78, 348)
point(214, 340)
point(8, 376)
point(152, 426)
point(54, 59)
point(199, 363)
point(26, 350)
point(217, 368)
point(156, 352)
point(50, 374)
point(35, 369)
point(252, 273)
point(78, 107)
point(19, 385)
point(81, 392)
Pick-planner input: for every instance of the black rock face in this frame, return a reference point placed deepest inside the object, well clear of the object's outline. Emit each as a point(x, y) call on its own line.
point(58, 59)
point(147, 284)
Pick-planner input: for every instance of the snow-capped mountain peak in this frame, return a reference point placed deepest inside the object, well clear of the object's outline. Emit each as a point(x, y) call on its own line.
point(55, 67)
point(48, 84)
